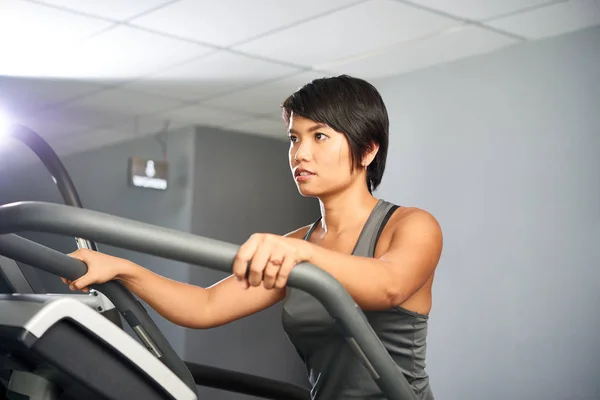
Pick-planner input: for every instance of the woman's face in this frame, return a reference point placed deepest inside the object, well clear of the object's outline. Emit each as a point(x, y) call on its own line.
point(319, 157)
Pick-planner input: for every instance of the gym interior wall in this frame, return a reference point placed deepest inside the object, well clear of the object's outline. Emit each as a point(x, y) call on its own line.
point(504, 150)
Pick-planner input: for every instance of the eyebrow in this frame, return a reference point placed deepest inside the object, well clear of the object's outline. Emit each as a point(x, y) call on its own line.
point(311, 129)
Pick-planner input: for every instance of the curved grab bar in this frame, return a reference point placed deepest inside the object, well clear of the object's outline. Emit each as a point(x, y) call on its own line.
point(55, 167)
point(214, 254)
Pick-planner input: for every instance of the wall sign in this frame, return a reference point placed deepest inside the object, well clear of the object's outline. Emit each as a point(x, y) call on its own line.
point(148, 174)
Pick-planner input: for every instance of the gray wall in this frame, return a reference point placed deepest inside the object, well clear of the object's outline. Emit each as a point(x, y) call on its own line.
point(243, 185)
point(505, 150)
point(100, 177)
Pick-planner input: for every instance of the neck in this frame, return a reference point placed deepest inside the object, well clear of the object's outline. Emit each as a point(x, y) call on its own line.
point(346, 210)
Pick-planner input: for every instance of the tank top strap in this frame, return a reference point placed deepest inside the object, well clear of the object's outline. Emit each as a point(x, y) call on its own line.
point(367, 241)
point(312, 229)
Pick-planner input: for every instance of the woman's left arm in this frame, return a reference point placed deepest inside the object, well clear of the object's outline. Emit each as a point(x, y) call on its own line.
point(374, 283)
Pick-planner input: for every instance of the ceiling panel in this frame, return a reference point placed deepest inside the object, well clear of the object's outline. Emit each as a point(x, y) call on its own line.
point(89, 117)
point(126, 102)
point(207, 76)
point(30, 32)
point(20, 97)
point(108, 106)
point(200, 115)
point(125, 53)
point(113, 134)
point(348, 33)
point(115, 10)
point(553, 20)
point(266, 98)
point(460, 43)
point(53, 129)
point(99, 138)
point(261, 126)
point(482, 9)
point(226, 22)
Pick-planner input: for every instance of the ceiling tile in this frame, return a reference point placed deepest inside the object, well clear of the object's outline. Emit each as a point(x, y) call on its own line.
point(260, 126)
point(226, 22)
point(51, 129)
point(207, 76)
point(108, 106)
point(481, 10)
point(459, 43)
point(199, 115)
point(82, 116)
point(151, 125)
point(114, 134)
point(266, 98)
point(93, 139)
point(348, 33)
point(127, 102)
point(115, 10)
point(552, 20)
point(125, 53)
point(23, 96)
point(45, 32)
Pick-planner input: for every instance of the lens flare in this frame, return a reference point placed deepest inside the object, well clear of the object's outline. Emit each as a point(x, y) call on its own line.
point(4, 125)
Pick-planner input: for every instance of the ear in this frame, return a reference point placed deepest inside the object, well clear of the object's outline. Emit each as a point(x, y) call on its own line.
point(370, 155)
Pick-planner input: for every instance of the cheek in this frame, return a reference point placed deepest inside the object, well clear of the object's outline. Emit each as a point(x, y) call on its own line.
point(335, 157)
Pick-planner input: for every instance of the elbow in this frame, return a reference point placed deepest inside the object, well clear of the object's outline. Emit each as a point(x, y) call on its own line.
point(394, 297)
point(395, 294)
point(385, 298)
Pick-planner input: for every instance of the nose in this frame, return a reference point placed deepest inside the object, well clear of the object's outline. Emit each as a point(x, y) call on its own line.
point(301, 152)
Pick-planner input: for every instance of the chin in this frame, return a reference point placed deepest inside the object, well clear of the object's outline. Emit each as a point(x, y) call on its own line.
point(307, 191)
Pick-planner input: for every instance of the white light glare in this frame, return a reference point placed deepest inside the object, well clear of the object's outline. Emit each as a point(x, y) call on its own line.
point(4, 124)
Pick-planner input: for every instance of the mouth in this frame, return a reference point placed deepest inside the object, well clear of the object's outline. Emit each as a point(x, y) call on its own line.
point(303, 174)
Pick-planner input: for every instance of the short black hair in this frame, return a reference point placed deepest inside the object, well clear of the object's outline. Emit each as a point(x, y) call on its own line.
point(351, 106)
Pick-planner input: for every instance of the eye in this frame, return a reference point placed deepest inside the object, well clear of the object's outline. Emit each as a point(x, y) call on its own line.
point(321, 136)
point(293, 138)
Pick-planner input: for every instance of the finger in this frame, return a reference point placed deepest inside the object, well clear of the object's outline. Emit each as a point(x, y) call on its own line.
point(82, 283)
point(243, 257)
point(80, 254)
point(284, 272)
point(270, 275)
point(273, 265)
point(259, 263)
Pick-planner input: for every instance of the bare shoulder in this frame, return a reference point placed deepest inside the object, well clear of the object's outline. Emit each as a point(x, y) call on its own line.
point(413, 223)
point(298, 233)
point(414, 217)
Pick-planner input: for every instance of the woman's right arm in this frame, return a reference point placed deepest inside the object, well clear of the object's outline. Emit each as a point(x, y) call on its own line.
point(196, 307)
point(183, 304)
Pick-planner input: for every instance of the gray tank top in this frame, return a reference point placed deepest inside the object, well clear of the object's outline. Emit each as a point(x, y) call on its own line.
point(333, 369)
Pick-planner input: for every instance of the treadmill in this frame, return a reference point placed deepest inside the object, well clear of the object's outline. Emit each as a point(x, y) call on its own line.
point(61, 347)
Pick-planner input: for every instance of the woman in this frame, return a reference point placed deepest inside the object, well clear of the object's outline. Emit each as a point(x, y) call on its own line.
point(384, 255)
